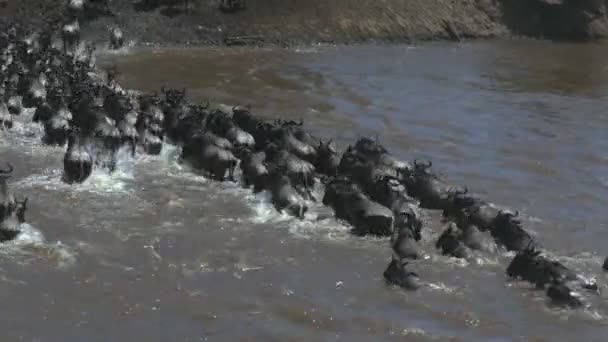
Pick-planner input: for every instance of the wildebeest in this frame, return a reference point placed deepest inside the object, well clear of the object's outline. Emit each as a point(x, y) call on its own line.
point(206, 151)
point(231, 6)
point(78, 161)
point(424, 185)
point(351, 205)
point(7, 199)
point(254, 169)
point(10, 225)
point(70, 34)
point(285, 196)
point(562, 295)
point(75, 9)
point(57, 128)
point(404, 244)
point(397, 274)
point(507, 230)
point(116, 38)
point(327, 159)
point(6, 119)
point(450, 242)
point(532, 266)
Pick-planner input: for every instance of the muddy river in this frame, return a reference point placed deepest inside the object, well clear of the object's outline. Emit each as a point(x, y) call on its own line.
point(157, 253)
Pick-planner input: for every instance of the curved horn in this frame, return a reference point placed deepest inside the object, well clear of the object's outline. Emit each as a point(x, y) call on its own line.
point(530, 246)
point(8, 170)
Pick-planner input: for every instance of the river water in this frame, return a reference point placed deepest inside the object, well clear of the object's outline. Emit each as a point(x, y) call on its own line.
point(156, 253)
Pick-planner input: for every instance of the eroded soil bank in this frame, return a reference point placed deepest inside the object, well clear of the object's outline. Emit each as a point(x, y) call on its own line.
point(290, 22)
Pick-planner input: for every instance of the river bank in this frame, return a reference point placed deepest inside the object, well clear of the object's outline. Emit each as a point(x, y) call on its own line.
point(303, 22)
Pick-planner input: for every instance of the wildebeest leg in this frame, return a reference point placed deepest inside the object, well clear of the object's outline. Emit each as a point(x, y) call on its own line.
point(307, 187)
point(231, 173)
point(133, 147)
point(113, 162)
point(81, 170)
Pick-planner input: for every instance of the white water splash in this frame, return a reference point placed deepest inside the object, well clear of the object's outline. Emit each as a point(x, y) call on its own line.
point(441, 287)
point(126, 49)
point(100, 181)
point(31, 243)
point(312, 226)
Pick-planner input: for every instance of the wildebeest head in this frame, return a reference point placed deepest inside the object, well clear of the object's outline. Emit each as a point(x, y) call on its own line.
point(460, 201)
point(289, 123)
point(507, 220)
point(507, 229)
point(369, 147)
point(523, 262)
point(243, 117)
point(174, 97)
point(327, 148)
point(421, 168)
point(450, 242)
point(148, 100)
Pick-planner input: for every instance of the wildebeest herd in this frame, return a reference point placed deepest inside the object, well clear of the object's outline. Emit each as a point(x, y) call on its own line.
point(367, 187)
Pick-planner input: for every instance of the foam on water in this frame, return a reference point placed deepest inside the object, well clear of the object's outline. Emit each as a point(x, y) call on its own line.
point(24, 131)
point(31, 243)
point(125, 50)
point(314, 224)
point(100, 181)
point(441, 287)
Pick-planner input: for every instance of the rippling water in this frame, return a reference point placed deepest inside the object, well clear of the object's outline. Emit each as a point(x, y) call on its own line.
point(156, 253)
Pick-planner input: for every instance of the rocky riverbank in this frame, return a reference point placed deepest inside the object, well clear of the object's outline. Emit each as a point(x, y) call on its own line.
point(340, 21)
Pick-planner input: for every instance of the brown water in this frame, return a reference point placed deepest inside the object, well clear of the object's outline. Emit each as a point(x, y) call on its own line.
point(155, 253)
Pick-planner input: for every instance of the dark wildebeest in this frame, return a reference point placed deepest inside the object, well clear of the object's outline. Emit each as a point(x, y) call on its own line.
point(117, 40)
point(397, 274)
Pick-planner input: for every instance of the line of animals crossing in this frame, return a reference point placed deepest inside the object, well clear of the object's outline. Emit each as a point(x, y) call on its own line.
point(366, 186)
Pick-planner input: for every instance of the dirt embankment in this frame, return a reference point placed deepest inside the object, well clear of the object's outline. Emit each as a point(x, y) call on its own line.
point(288, 22)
